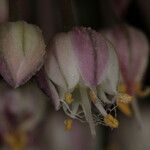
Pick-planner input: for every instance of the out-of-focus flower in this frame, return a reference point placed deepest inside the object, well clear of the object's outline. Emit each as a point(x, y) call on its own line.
point(4, 11)
point(82, 73)
point(22, 51)
point(56, 138)
point(132, 50)
point(21, 110)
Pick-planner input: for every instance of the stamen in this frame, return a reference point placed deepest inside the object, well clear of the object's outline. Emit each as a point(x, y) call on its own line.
point(110, 121)
point(93, 96)
point(68, 98)
point(68, 124)
point(140, 92)
point(16, 140)
point(124, 108)
point(124, 98)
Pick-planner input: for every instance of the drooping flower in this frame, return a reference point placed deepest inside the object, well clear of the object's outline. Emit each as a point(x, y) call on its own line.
point(132, 50)
point(82, 75)
point(22, 50)
point(21, 110)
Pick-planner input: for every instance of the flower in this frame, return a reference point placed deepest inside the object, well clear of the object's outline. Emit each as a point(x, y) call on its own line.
point(82, 73)
point(132, 50)
point(21, 111)
point(22, 51)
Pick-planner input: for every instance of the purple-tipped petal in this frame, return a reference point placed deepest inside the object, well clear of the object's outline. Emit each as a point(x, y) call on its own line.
point(22, 52)
point(92, 54)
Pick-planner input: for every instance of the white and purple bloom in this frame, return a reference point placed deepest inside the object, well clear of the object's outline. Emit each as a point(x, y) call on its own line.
point(22, 51)
point(132, 50)
point(82, 74)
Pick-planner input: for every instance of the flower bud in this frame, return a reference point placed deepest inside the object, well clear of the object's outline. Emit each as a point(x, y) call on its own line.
point(22, 51)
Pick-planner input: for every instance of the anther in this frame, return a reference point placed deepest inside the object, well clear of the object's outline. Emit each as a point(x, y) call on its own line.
point(68, 98)
point(68, 124)
point(140, 92)
point(110, 121)
point(124, 98)
point(124, 108)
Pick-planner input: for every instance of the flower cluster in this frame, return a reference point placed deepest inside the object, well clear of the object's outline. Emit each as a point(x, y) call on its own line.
point(80, 75)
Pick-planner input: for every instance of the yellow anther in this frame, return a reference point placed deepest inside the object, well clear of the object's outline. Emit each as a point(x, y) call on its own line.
point(124, 98)
point(124, 108)
point(140, 92)
point(16, 140)
point(68, 98)
point(110, 121)
point(68, 124)
point(93, 96)
point(122, 88)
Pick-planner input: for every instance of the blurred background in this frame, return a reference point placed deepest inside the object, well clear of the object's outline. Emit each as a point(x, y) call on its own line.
point(54, 16)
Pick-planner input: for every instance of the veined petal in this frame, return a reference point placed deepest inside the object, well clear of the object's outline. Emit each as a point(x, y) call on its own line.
point(92, 55)
point(61, 65)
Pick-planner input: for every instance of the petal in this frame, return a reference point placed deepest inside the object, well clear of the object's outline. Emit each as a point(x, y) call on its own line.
point(61, 65)
point(110, 83)
point(118, 39)
point(139, 53)
point(92, 55)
